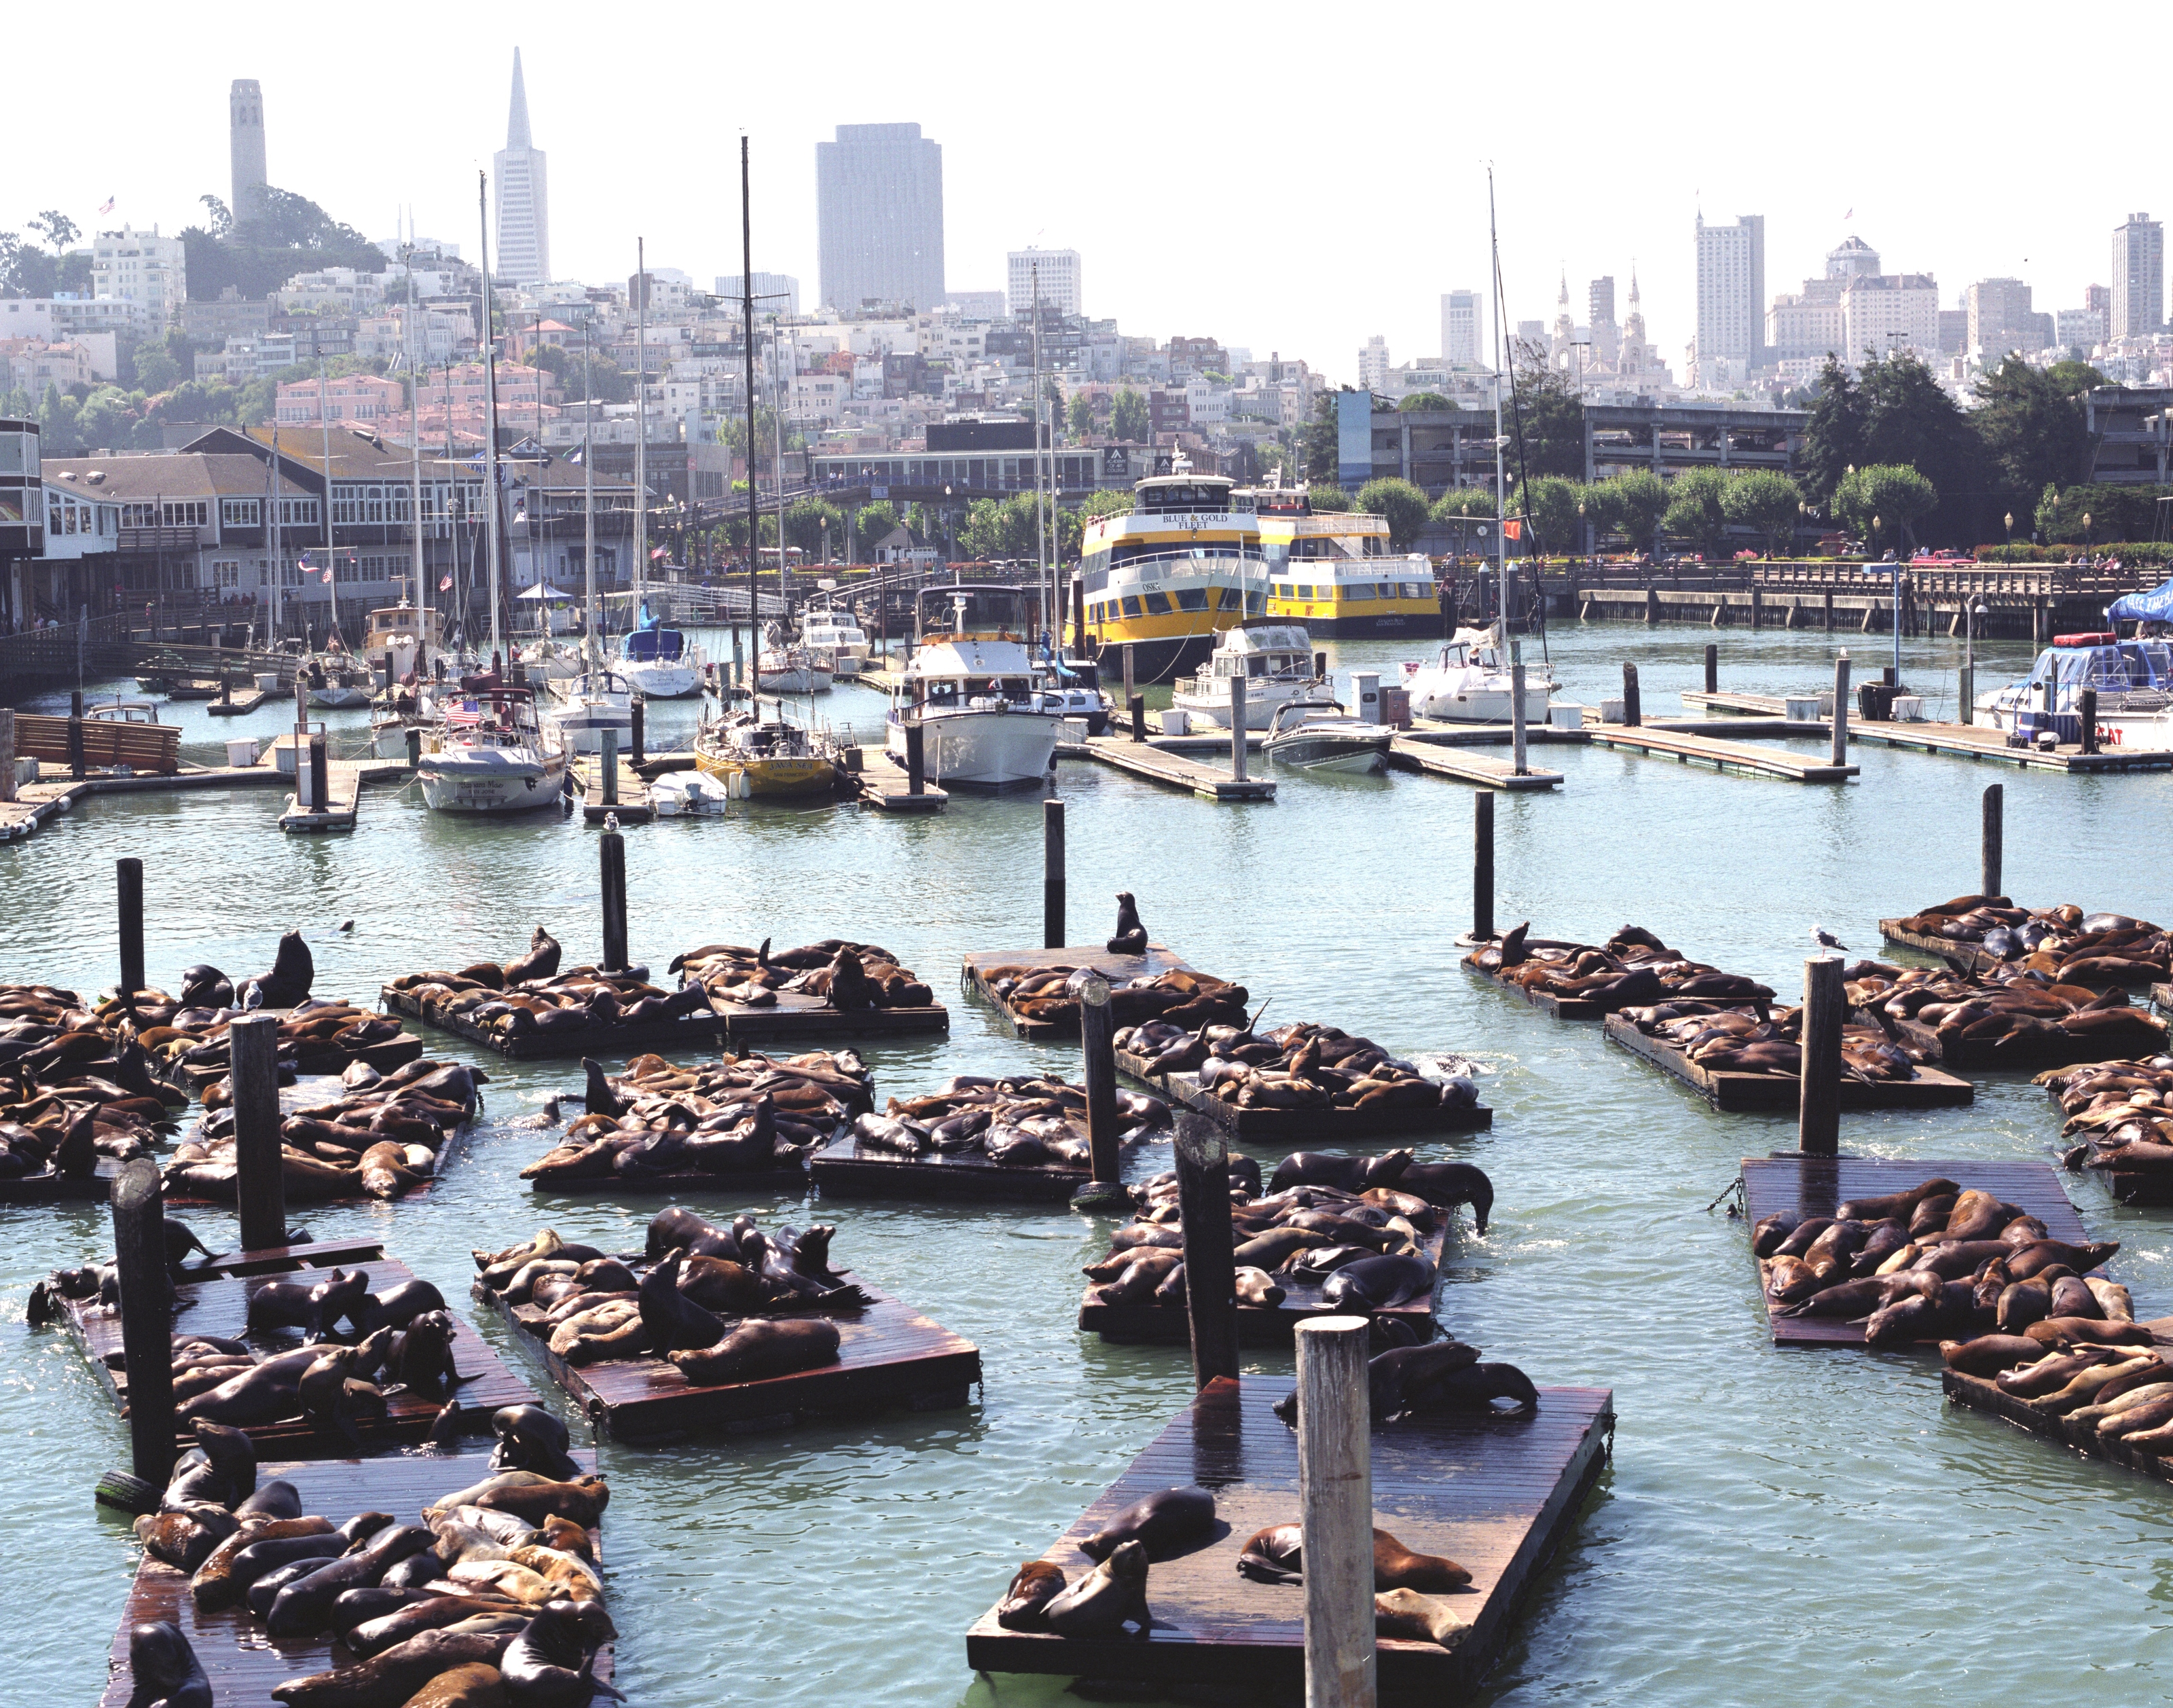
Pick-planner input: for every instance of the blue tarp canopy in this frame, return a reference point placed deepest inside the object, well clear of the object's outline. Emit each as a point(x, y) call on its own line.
point(2153, 607)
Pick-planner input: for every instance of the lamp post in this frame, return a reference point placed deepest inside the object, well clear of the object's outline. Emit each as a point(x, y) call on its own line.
point(2009, 519)
point(1583, 530)
point(1972, 608)
point(2086, 539)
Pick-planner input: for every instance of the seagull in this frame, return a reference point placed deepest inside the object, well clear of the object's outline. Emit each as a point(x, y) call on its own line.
point(1825, 939)
point(252, 996)
point(611, 820)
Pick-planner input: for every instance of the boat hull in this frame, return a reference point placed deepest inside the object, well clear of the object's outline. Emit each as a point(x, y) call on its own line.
point(772, 778)
point(1480, 705)
point(339, 699)
point(815, 679)
point(1262, 701)
point(1345, 753)
point(451, 783)
point(981, 750)
point(1158, 658)
point(580, 725)
point(1386, 623)
point(668, 680)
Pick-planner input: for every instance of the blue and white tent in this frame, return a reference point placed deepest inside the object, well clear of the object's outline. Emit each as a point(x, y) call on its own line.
point(2153, 607)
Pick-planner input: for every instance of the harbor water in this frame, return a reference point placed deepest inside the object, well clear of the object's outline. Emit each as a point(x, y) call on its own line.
point(1775, 1525)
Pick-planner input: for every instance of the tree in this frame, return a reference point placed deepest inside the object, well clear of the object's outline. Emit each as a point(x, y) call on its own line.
point(222, 218)
point(1545, 420)
point(2116, 512)
point(1426, 400)
point(1695, 511)
point(1327, 496)
point(1896, 412)
point(1893, 494)
point(1323, 439)
point(2031, 427)
point(156, 371)
point(1600, 509)
point(1080, 415)
point(807, 520)
point(1464, 501)
point(1548, 506)
point(874, 521)
point(59, 230)
point(1642, 501)
point(1128, 417)
point(1764, 501)
point(1105, 504)
point(1400, 504)
point(1834, 437)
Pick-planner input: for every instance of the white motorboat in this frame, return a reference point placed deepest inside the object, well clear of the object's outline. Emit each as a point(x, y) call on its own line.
point(584, 706)
point(694, 794)
point(834, 636)
point(395, 711)
point(1318, 734)
point(338, 680)
point(786, 666)
point(1275, 660)
point(1071, 688)
point(552, 661)
point(2131, 679)
point(1469, 681)
point(492, 755)
point(659, 663)
point(970, 689)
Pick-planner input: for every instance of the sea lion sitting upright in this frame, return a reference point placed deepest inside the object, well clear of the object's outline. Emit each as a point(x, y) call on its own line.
point(597, 1097)
point(226, 1474)
point(673, 1321)
point(206, 987)
point(541, 961)
point(164, 1669)
point(531, 1439)
point(287, 985)
point(1131, 936)
point(851, 990)
point(1101, 1603)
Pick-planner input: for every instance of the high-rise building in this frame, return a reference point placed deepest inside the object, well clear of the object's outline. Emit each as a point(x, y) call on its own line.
point(879, 204)
point(148, 272)
point(2097, 297)
point(2000, 319)
point(1731, 290)
point(1463, 329)
point(1053, 271)
point(774, 292)
point(245, 128)
point(1606, 336)
point(1888, 314)
point(524, 213)
point(2139, 276)
point(2082, 329)
point(1373, 364)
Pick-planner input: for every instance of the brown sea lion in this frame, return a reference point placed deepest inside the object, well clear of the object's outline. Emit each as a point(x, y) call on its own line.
point(1987, 1355)
point(1164, 1524)
point(1406, 1614)
point(475, 1685)
point(1130, 937)
point(389, 1679)
point(1032, 1587)
point(551, 1663)
point(760, 1347)
point(1103, 1601)
point(164, 1669)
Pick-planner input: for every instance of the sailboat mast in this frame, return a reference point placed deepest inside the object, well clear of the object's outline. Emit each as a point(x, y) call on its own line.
point(588, 510)
point(754, 526)
point(490, 412)
point(1501, 367)
point(415, 437)
point(271, 521)
point(641, 431)
point(1040, 531)
point(324, 425)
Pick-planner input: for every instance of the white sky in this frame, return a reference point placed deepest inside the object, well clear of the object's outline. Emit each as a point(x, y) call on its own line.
point(1253, 174)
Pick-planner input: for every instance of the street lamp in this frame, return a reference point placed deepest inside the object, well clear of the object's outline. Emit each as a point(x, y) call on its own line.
point(2086, 539)
point(2009, 519)
point(1583, 531)
point(1973, 607)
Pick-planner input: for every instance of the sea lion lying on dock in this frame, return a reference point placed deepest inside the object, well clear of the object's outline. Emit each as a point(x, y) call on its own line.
point(848, 976)
point(1184, 1001)
point(1015, 1122)
point(1442, 1375)
point(1105, 1600)
point(1301, 1066)
point(1277, 1555)
point(1632, 967)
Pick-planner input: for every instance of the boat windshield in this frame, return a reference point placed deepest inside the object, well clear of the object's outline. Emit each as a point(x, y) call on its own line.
point(977, 610)
point(2083, 667)
point(2150, 663)
point(645, 643)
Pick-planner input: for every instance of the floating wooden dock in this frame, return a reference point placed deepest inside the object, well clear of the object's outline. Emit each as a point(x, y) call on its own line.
point(1159, 764)
point(1722, 756)
point(1561, 1007)
point(1312, 1125)
point(1963, 957)
point(797, 1017)
point(1258, 1325)
point(1955, 741)
point(243, 1663)
point(324, 1058)
point(343, 781)
point(883, 784)
point(632, 804)
point(49, 1188)
point(300, 1093)
point(1980, 1395)
point(686, 1031)
point(1740, 705)
point(1736, 1092)
point(241, 705)
point(1498, 1495)
point(2055, 1048)
point(220, 1307)
point(888, 1355)
point(1116, 969)
point(1814, 1185)
point(843, 1169)
point(1436, 758)
point(673, 1184)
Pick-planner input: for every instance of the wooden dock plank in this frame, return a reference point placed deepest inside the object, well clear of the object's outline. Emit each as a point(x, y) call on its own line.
point(1723, 756)
point(844, 1169)
point(1296, 1129)
point(884, 784)
point(1461, 765)
point(1735, 1092)
point(1980, 1395)
point(632, 804)
point(797, 1017)
point(1814, 1185)
point(688, 1031)
point(243, 1663)
point(1159, 764)
point(1159, 958)
point(1496, 1493)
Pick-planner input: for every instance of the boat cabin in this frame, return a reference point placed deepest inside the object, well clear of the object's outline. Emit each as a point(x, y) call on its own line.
point(1260, 651)
point(967, 611)
point(644, 645)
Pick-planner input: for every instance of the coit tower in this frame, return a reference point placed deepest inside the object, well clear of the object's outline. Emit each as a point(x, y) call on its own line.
point(246, 129)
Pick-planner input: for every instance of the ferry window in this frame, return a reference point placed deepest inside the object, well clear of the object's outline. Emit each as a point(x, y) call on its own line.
point(1360, 590)
point(1192, 598)
point(1256, 604)
point(1131, 607)
point(1158, 604)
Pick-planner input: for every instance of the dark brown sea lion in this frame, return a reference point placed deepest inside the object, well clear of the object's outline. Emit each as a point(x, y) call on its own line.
point(551, 1663)
point(1274, 1554)
point(1163, 1523)
point(216, 1584)
point(1475, 1387)
point(1767, 1232)
point(1988, 1355)
point(226, 1474)
point(1032, 1587)
point(164, 1669)
point(1380, 1284)
point(2041, 1254)
point(760, 1347)
point(474, 1685)
point(304, 1608)
point(1103, 1601)
point(673, 1321)
point(1130, 937)
point(541, 961)
point(390, 1680)
point(185, 1539)
point(423, 1360)
point(424, 1611)
point(1352, 1174)
point(287, 985)
point(1448, 1184)
point(1901, 1204)
point(530, 1438)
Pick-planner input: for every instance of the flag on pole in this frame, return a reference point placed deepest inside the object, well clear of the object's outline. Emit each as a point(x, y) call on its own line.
point(1513, 529)
point(328, 576)
point(446, 585)
point(657, 552)
point(106, 206)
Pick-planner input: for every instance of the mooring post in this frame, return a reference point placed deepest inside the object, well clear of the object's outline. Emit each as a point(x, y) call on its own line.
point(1482, 866)
point(2089, 708)
point(1995, 800)
point(1137, 704)
point(321, 800)
point(1633, 712)
point(1128, 673)
point(1818, 1121)
point(1237, 727)
point(1335, 1495)
point(129, 874)
point(75, 734)
point(1711, 668)
point(260, 1176)
point(607, 764)
point(1320, 666)
point(1211, 1273)
point(640, 730)
point(147, 1317)
point(1518, 739)
point(1052, 874)
point(7, 752)
point(1097, 1062)
point(613, 858)
point(1839, 753)
point(916, 758)
point(414, 748)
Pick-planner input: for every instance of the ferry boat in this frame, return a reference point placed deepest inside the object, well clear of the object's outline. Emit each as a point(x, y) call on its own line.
point(2134, 683)
point(659, 663)
point(1275, 660)
point(1316, 734)
point(970, 688)
point(766, 761)
point(1337, 572)
point(492, 755)
point(589, 703)
point(410, 637)
point(1469, 682)
point(835, 637)
point(1168, 578)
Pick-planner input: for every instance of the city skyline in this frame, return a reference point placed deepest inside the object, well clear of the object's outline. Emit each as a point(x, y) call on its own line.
point(2015, 215)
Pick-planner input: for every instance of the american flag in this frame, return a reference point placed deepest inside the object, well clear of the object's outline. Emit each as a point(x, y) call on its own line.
point(464, 716)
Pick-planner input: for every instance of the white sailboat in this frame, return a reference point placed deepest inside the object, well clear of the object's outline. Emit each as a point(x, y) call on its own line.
point(787, 666)
point(596, 698)
point(834, 636)
point(1469, 681)
point(491, 754)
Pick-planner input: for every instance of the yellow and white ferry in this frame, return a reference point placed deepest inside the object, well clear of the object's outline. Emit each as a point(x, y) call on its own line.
point(1336, 572)
point(1170, 577)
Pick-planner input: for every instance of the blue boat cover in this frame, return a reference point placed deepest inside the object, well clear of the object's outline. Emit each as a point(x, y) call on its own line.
point(2153, 607)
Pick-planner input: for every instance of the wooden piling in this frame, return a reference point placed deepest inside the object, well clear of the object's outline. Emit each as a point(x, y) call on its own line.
point(1052, 874)
point(1839, 753)
point(1320, 666)
point(75, 734)
point(321, 798)
point(1518, 740)
point(1711, 668)
point(1817, 1120)
point(129, 877)
point(1097, 1063)
point(1335, 1490)
point(261, 1180)
point(1633, 712)
point(612, 855)
point(1482, 865)
point(640, 731)
point(2089, 708)
point(1236, 731)
point(1210, 1272)
point(414, 748)
point(147, 1317)
point(916, 758)
point(7, 753)
point(1992, 837)
point(607, 764)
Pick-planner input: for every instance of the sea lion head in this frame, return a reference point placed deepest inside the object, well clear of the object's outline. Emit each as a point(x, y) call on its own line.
point(1386, 1169)
point(1127, 1562)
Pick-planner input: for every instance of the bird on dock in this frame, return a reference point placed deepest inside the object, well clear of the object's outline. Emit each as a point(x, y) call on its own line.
point(611, 820)
point(1825, 939)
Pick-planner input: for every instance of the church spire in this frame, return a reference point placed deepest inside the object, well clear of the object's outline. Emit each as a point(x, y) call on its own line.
point(516, 123)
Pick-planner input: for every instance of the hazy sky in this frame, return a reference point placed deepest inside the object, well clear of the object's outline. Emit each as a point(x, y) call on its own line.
point(1248, 173)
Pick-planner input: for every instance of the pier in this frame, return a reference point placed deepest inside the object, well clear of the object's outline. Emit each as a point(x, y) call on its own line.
point(1657, 743)
point(1116, 969)
point(1954, 740)
point(844, 1168)
point(1304, 1128)
point(1734, 1092)
point(1440, 756)
point(1158, 762)
point(629, 800)
point(884, 785)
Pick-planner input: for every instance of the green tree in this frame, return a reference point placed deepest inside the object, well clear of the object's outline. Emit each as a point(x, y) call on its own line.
point(1643, 499)
point(1548, 506)
point(1894, 495)
point(1400, 504)
point(1764, 501)
point(875, 520)
point(1695, 509)
point(2116, 512)
point(1322, 439)
point(1327, 497)
point(1079, 414)
point(1105, 504)
point(157, 371)
point(809, 522)
point(1464, 501)
point(2030, 424)
point(57, 229)
point(1545, 420)
point(1600, 509)
point(222, 217)
point(1834, 437)
point(1128, 417)
point(1426, 400)
point(1896, 412)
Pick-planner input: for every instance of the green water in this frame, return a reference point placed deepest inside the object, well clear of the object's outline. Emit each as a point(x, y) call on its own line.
point(1775, 1527)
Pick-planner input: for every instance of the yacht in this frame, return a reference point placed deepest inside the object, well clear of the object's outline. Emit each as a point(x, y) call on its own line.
point(1275, 660)
point(394, 711)
point(1316, 734)
point(970, 688)
point(338, 680)
point(492, 755)
point(659, 663)
point(1168, 578)
point(1338, 572)
point(788, 667)
point(410, 638)
point(835, 637)
point(772, 760)
point(1071, 687)
point(1469, 681)
point(588, 704)
point(2134, 683)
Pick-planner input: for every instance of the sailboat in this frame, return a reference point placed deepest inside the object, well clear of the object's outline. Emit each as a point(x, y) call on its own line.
point(598, 698)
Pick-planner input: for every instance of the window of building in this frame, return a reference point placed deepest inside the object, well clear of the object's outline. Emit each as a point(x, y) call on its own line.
point(226, 573)
point(240, 513)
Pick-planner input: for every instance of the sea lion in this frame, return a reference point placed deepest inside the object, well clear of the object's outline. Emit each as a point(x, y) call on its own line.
point(219, 1581)
point(1448, 1184)
point(185, 1539)
point(303, 1608)
point(1257, 1287)
point(1275, 1555)
point(598, 1097)
point(164, 1669)
point(327, 1404)
point(1101, 1603)
point(541, 961)
point(1032, 1587)
point(1406, 1614)
point(531, 1439)
point(426, 1612)
point(225, 1475)
point(528, 1495)
point(673, 1321)
point(760, 1347)
point(1987, 1355)
point(1352, 1174)
point(423, 1361)
point(474, 1685)
point(312, 1306)
point(1131, 936)
point(390, 1679)
point(1899, 1204)
point(1379, 1284)
point(287, 985)
point(1163, 1523)
point(1475, 1387)
point(552, 1662)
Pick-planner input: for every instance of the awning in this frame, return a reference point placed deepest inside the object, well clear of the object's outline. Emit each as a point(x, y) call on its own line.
point(544, 591)
point(2153, 607)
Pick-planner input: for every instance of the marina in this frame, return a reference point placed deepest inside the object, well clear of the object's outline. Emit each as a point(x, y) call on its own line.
point(1723, 756)
point(980, 963)
point(846, 1168)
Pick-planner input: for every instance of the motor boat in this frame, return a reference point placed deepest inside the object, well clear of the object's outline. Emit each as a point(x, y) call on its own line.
point(338, 680)
point(404, 706)
point(404, 638)
point(1071, 688)
point(835, 637)
point(586, 705)
point(659, 663)
point(693, 794)
point(2133, 679)
point(776, 759)
point(970, 689)
point(1469, 682)
point(787, 666)
point(1275, 660)
point(492, 755)
point(550, 661)
point(1316, 734)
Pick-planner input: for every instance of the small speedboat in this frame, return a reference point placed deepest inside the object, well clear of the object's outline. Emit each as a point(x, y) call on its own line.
point(1318, 734)
point(694, 794)
point(491, 755)
point(338, 680)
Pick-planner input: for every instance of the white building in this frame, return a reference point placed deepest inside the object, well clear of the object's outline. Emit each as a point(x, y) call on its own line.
point(2073, 329)
point(1731, 291)
point(523, 254)
point(1885, 313)
point(1462, 328)
point(1373, 364)
point(775, 293)
point(2000, 319)
point(440, 334)
point(148, 272)
point(2139, 276)
point(1054, 272)
point(341, 289)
